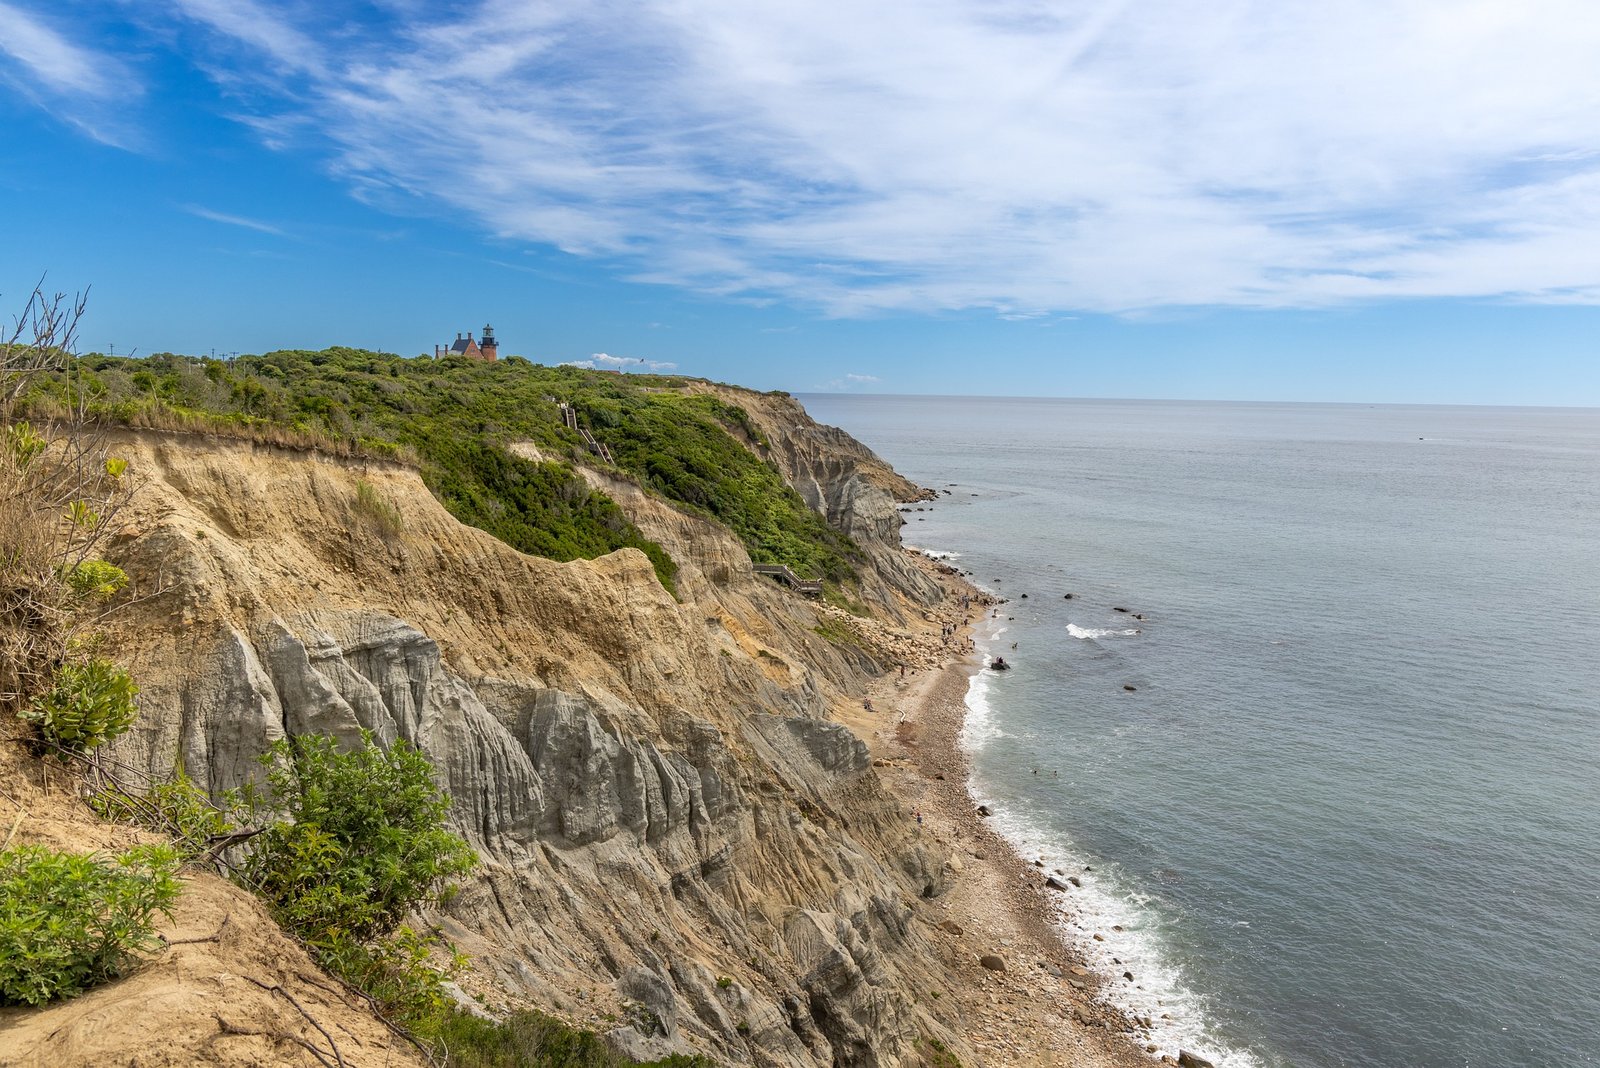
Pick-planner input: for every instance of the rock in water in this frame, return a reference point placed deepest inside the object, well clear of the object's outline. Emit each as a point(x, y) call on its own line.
point(1192, 1060)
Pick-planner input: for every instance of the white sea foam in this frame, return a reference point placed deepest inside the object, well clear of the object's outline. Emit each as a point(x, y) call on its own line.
point(1105, 902)
point(935, 554)
point(1093, 633)
point(978, 729)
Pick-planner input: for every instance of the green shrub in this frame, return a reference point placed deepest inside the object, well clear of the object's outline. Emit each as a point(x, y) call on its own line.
point(22, 444)
point(68, 921)
point(96, 578)
point(353, 841)
point(89, 703)
point(357, 839)
point(397, 971)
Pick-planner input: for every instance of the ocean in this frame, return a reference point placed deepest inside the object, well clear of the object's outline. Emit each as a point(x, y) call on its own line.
point(1335, 799)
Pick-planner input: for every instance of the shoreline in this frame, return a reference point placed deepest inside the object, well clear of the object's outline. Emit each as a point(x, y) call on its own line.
point(1042, 1008)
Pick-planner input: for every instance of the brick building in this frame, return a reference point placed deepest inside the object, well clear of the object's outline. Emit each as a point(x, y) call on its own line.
point(487, 349)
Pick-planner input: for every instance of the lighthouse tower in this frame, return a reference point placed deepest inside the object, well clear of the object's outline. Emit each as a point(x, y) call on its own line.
point(489, 346)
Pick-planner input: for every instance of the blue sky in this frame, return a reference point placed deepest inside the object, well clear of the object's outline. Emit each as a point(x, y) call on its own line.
point(1243, 199)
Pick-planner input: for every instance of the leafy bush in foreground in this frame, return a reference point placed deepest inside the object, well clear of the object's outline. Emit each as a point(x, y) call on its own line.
point(357, 840)
point(353, 841)
point(68, 921)
point(89, 703)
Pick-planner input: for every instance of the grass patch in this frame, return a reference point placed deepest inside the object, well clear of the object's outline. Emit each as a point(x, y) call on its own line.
point(840, 597)
point(534, 1040)
point(838, 632)
point(382, 514)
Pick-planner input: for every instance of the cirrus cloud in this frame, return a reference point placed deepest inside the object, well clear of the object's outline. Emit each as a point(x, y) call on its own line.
point(1017, 155)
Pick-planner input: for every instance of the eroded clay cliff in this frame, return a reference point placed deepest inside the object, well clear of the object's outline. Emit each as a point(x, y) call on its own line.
point(679, 845)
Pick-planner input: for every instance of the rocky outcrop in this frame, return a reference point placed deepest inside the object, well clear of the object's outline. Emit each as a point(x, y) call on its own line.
point(840, 478)
point(678, 846)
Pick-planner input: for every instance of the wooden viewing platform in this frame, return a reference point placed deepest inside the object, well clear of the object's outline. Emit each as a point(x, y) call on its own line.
point(783, 574)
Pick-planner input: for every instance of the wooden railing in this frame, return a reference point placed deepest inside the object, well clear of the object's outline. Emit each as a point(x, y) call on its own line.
point(782, 573)
point(569, 416)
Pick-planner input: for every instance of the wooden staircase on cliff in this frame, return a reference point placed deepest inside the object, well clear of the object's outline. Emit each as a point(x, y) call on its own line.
point(569, 416)
point(809, 587)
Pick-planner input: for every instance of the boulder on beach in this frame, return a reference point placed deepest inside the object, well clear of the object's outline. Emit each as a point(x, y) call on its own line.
point(983, 810)
point(1192, 1060)
point(992, 962)
point(1055, 884)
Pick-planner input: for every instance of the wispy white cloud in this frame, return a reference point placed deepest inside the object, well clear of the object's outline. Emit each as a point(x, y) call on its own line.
point(1014, 155)
point(52, 59)
point(605, 362)
point(78, 84)
point(862, 378)
point(234, 220)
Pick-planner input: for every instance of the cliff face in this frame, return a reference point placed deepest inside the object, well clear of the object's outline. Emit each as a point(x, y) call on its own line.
point(678, 845)
point(852, 488)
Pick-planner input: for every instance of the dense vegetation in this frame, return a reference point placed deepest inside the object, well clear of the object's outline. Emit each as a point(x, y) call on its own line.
point(456, 417)
point(68, 922)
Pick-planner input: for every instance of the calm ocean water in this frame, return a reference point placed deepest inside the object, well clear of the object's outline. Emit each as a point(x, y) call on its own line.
point(1350, 813)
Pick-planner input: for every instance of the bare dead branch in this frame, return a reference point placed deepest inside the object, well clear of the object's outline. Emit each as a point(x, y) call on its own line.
point(276, 989)
point(215, 936)
point(276, 1036)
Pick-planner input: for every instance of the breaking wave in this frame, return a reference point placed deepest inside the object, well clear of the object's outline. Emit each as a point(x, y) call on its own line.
point(1092, 633)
